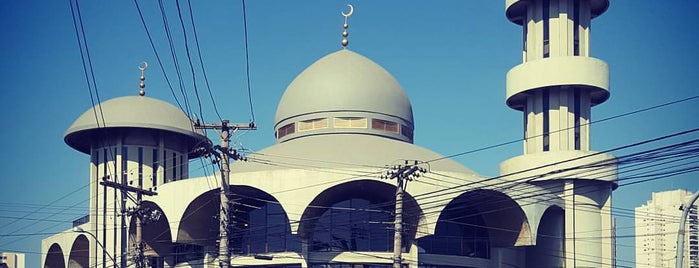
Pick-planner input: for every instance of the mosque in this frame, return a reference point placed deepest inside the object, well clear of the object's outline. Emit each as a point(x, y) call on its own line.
point(333, 191)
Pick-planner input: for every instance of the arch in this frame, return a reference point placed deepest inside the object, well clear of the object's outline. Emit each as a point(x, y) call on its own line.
point(474, 222)
point(80, 253)
point(549, 250)
point(260, 224)
point(155, 230)
point(199, 222)
point(357, 216)
point(54, 257)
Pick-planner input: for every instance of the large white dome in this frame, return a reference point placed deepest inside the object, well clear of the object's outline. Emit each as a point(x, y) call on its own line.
point(345, 84)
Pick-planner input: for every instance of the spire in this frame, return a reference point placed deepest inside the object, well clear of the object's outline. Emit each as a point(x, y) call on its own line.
point(142, 85)
point(345, 25)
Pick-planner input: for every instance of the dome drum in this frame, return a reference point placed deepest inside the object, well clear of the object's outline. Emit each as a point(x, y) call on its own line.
point(334, 122)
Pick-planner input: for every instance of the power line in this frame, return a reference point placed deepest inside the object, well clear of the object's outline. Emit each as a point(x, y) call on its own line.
point(247, 60)
point(189, 59)
point(173, 53)
point(201, 61)
point(157, 56)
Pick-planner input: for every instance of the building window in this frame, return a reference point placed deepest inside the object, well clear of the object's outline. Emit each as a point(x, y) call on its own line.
point(124, 164)
point(155, 167)
point(545, 108)
point(576, 28)
point(174, 166)
point(312, 124)
point(406, 131)
point(525, 29)
point(140, 167)
point(286, 130)
point(576, 115)
point(164, 166)
point(384, 125)
point(545, 19)
point(183, 165)
point(350, 122)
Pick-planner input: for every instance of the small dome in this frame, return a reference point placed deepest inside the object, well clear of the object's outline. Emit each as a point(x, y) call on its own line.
point(128, 112)
point(345, 85)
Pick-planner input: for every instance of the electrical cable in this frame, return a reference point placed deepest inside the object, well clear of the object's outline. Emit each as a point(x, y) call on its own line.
point(201, 61)
point(247, 61)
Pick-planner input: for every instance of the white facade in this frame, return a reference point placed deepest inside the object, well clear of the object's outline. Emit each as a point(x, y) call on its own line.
point(11, 260)
point(657, 224)
point(317, 198)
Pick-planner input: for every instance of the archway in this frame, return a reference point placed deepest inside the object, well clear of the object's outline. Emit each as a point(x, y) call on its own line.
point(475, 222)
point(80, 253)
point(260, 223)
point(155, 233)
point(549, 250)
point(54, 257)
point(357, 216)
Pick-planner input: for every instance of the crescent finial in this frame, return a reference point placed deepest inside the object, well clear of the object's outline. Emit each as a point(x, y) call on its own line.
point(142, 85)
point(349, 13)
point(143, 66)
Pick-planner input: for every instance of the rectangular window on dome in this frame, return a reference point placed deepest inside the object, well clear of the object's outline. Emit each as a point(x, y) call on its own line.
point(384, 125)
point(406, 131)
point(350, 122)
point(286, 130)
point(312, 124)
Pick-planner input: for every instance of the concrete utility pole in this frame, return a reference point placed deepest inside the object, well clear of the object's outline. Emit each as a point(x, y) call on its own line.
point(224, 255)
point(686, 208)
point(125, 189)
point(401, 173)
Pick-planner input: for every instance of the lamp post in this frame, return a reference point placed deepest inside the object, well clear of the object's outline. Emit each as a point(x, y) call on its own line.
point(686, 208)
point(79, 229)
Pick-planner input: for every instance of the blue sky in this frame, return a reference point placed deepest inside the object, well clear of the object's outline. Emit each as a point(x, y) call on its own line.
point(451, 57)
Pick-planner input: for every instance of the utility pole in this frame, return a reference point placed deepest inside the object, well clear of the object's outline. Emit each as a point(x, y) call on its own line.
point(401, 173)
point(224, 256)
point(125, 189)
point(686, 208)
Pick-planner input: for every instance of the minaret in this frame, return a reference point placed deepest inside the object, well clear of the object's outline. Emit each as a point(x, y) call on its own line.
point(555, 88)
point(133, 141)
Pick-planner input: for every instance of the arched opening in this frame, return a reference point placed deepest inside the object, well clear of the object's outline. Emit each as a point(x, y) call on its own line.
point(474, 223)
point(550, 243)
point(54, 257)
point(259, 223)
point(460, 231)
point(155, 233)
point(357, 216)
point(80, 253)
point(355, 225)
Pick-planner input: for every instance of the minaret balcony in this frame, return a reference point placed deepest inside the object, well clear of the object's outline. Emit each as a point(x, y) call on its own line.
point(587, 73)
point(561, 165)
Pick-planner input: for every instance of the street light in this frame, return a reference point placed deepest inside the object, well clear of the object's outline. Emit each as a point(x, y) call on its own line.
point(79, 229)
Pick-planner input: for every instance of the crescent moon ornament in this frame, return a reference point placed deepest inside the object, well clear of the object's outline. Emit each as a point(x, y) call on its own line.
point(143, 66)
point(349, 13)
point(142, 85)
